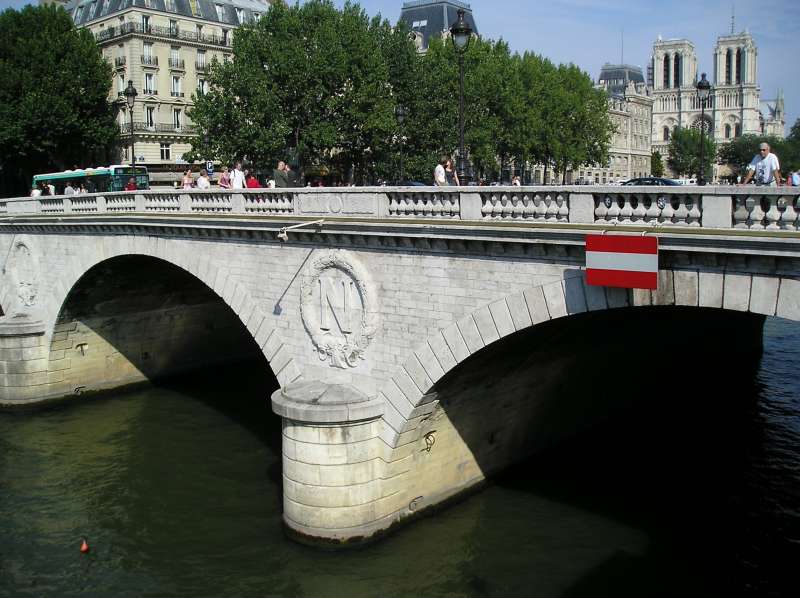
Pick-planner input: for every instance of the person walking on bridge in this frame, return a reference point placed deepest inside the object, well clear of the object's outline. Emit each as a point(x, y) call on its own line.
point(765, 167)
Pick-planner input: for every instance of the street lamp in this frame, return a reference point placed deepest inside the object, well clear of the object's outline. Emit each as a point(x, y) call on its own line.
point(460, 34)
point(703, 94)
point(400, 115)
point(130, 99)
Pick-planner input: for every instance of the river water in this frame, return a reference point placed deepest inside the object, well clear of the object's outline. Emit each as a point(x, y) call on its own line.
point(178, 491)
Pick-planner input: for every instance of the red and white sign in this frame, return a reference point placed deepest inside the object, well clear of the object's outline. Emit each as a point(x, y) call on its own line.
point(629, 262)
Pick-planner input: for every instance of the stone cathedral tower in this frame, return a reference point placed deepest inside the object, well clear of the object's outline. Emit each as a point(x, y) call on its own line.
point(736, 91)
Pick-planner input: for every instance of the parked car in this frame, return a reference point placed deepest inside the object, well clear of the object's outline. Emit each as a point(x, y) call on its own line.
point(651, 181)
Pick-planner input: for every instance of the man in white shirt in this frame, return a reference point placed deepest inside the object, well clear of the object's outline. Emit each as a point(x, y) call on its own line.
point(439, 176)
point(765, 167)
point(202, 180)
point(237, 177)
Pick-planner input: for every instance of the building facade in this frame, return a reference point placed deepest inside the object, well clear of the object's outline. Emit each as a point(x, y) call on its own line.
point(432, 18)
point(735, 107)
point(165, 47)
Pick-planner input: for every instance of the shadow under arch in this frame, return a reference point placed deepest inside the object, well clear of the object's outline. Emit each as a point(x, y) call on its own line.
point(135, 318)
point(411, 388)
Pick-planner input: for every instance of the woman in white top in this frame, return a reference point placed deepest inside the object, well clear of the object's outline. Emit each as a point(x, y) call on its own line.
point(202, 180)
point(36, 192)
point(188, 183)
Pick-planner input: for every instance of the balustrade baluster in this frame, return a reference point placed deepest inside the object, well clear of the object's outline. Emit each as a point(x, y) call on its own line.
point(756, 220)
point(741, 214)
point(626, 212)
point(695, 214)
point(682, 213)
point(613, 210)
point(562, 215)
point(773, 214)
point(639, 211)
point(551, 214)
point(789, 216)
point(527, 207)
point(667, 211)
point(601, 209)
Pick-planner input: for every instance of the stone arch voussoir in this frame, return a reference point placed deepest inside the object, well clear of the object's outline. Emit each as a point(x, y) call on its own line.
point(407, 393)
point(199, 265)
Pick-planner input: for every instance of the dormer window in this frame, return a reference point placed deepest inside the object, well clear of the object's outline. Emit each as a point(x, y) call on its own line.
point(220, 12)
point(240, 15)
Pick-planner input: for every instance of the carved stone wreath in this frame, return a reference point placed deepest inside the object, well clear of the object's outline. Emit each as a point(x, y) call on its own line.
point(22, 275)
point(339, 352)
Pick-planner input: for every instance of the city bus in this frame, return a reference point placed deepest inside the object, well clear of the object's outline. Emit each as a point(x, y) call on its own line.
point(97, 180)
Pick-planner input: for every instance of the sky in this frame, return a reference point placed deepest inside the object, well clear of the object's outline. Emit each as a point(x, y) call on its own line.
point(589, 33)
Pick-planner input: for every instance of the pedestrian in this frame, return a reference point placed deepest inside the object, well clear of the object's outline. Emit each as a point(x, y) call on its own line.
point(35, 191)
point(202, 180)
point(81, 190)
point(69, 189)
point(252, 181)
point(796, 178)
point(51, 189)
point(439, 174)
point(237, 177)
point(280, 176)
point(765, 167)
point(225, 179)
point(291, 176)
point(187, 182)
point(131, 186)
point(516, 182)
point(450, 174)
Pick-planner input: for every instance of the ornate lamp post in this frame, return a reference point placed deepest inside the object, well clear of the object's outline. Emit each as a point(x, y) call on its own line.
point(400, 115)
point(703, 94)
point(460, 34)
point(130, 99)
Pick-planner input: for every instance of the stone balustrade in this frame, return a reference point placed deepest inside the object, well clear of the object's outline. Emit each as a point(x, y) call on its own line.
point(752, 208)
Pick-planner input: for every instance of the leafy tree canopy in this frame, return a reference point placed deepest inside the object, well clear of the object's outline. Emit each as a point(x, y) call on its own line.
point(54, 108)
point(684, 152)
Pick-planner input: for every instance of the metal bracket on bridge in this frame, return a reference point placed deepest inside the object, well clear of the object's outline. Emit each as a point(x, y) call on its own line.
point(282, 236)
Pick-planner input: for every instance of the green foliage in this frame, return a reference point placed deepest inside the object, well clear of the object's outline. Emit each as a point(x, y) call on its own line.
point(656, 164)
point(54, 108)
point(321, 85)
point(684, 153)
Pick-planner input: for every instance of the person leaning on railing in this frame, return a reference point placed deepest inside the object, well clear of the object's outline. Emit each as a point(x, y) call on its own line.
point(765, 167)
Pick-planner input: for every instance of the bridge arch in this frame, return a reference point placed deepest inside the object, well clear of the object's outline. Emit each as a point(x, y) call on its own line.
point(225, 285)
point(409, 392)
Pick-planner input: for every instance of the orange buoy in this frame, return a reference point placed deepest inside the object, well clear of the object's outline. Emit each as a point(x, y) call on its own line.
point(84, 546)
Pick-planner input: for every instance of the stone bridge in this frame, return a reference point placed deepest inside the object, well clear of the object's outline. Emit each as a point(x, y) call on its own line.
point(383, 316)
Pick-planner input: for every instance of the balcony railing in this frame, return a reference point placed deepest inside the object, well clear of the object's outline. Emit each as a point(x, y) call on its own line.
point(120, 61)
point(143, 127)
point(149, 60)
point(165, 32)
point(176, 63)
point(201, 67)
point(176, 94)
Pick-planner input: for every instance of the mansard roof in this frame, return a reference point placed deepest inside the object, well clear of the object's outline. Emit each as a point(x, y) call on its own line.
point(616, 77)
point(199, 9)
point(433, 17)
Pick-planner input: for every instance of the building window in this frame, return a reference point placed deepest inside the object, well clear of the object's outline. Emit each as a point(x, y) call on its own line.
point(196, 12)
point(147, 51)
point(199, 31)
point(256, 16)
point(145, 23)
point(737, 131)
point(149, 83)
point(727, 131)
point(202, 87)
point(92, 10)
point(677, 80)
point(170, 5)
point(220, 12)
point(173, 27)
point(176, 118)
point(201, 59)
point(121, 82)
point(665, 136)
point(225, 36)
point(176, 85)
point(666, 72)
point(738, 66)
point(165, 151)
point(150, 116)
point(78, 14)
point(239, 16)
point(174, 54)
point(104, 10)
point(728, 67)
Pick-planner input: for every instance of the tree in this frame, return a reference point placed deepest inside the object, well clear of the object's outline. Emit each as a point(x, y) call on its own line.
point(684, 152)
point(656, 164)
point(54, 108)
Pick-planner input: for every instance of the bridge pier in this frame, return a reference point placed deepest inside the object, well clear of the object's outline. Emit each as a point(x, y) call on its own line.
point(24, 353)
point(334, 463)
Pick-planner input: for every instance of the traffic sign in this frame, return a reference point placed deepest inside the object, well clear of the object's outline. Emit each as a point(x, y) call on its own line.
point(209, 167)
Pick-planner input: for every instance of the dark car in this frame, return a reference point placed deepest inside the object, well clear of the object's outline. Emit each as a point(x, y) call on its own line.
point(651, 181)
